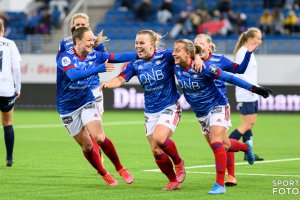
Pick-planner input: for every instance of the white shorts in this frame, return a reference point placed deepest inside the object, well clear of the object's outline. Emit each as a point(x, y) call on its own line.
point(219, 116)
point(79, 118)
point(168, 117)
point(99, 100)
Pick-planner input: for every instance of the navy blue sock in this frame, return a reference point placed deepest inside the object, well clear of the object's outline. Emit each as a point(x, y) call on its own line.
point(235, 135)
point(9, 138)
point(247, 136)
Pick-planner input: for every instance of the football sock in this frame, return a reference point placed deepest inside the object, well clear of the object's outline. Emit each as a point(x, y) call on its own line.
point(235, 135)
point(165, 165)
point(110, 151)
point(94, 159)
point(247, 136)
point(237, 146)
point(220, 161)
point(230, 163)
point(169, 148)
point(9, 138)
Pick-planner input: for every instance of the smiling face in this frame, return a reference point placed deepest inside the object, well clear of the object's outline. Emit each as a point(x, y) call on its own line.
point(181, 56)
point(257, 39)
point(205, 45)
point(144, 46)
point(86, 43)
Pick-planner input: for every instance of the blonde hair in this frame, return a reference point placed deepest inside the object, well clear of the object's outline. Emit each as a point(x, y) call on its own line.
point(155, 38)
point(80, 15)
point(208, 40)
point(244, 37)
point(190, 47)
point(1, 28)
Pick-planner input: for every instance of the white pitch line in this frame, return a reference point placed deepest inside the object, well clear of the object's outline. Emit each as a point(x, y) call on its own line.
point(241, 163)
point(120, 123)
point(243, 174)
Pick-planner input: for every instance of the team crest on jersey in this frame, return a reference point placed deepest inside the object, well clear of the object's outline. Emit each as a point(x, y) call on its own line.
point(65, 61)
point(157, 62)
point(195, 75)
point(213, 68)
point(90, 62)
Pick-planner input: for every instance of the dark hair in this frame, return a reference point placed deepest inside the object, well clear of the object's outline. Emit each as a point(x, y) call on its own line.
point(78, 33)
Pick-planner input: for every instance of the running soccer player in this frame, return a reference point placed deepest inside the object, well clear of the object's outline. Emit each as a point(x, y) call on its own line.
point(208, 55)
point(82, 20)
point(76, 102)
point(209, 104)
point(154, 69)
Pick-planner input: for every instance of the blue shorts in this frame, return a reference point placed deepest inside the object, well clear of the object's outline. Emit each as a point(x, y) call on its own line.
point(248, 108)
point(7, 103)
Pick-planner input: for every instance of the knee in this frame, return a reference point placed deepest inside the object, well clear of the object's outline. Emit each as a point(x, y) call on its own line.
point(6, 122)
point(250, 125)
point(100, 138)
point(87, 147)
point(226, 146)
point(156, 150)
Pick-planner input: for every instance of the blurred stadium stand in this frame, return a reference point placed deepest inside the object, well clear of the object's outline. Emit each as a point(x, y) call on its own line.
point(121, 27)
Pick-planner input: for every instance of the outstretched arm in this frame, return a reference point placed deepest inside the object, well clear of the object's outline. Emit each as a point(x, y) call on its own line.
point(75, 74)
point(265, 92)
point(113, 83)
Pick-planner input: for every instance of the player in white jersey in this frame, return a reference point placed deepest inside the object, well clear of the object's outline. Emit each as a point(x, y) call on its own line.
point(247, 101)
point(154, 69)
point(10, 89)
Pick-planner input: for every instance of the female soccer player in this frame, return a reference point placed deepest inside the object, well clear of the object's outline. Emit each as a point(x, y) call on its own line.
point(154, 69)
point(76, 102)
point(247, 101)
point(10, 89)
point(82, 20)
point(208, 103)
point(208, 55)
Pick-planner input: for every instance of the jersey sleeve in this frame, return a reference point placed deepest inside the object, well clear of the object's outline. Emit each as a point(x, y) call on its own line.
point(15, 54)
point(128, 72)
point(16, 59)
point(229, 78)
point(65, 62)
point(100, 48)
point(123, 57)
point(227, 65)
point(168, 54)
point(61, 48)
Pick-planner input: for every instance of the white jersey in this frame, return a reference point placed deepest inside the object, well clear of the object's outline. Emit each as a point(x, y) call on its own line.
point(250, 75)
point(10, 70)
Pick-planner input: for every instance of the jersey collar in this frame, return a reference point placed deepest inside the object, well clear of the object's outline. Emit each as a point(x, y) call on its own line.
point(208, 57)
point(188, 67)
point(81, 58)
point(151, 56)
